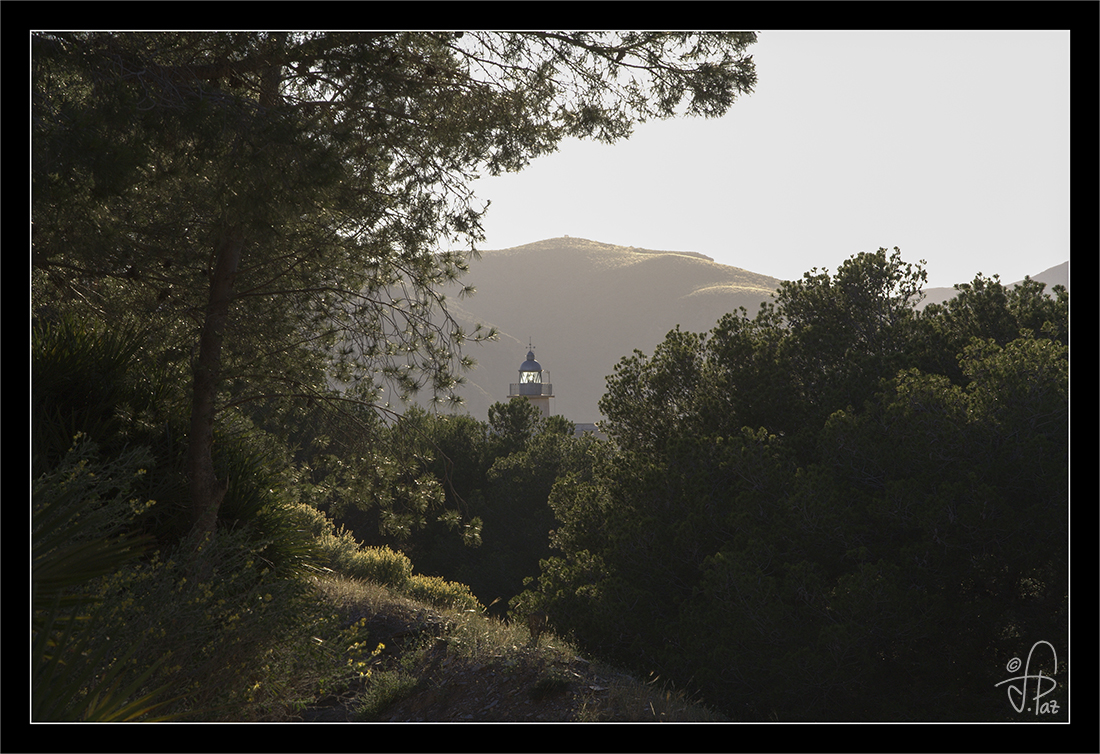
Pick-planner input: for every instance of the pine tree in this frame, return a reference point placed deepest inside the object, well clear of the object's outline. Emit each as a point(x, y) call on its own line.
point(283, 209)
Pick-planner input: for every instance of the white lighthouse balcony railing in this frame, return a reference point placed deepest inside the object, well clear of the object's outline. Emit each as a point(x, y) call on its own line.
point(531, 388)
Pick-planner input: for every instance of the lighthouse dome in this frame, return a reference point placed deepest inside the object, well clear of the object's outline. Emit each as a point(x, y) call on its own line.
point(530, 365)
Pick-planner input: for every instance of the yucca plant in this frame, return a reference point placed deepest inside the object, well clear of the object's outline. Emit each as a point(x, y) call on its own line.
point(108, 385)
point(73, 682)
point(256, 502)
point(78, 534)
point(101, 382)
point(84, 379)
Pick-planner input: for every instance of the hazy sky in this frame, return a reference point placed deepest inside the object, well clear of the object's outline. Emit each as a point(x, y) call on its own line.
point(953, 146)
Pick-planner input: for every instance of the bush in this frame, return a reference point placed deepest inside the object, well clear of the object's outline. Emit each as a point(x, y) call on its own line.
point(338, 550)
point(441, 593)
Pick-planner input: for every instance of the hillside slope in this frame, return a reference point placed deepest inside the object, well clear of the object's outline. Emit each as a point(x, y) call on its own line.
point(583, 305)
point(451, 665)
point(1056, 275)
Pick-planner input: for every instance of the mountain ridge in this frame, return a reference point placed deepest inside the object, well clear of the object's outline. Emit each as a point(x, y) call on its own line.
point(1052, 276)
point(583, 305)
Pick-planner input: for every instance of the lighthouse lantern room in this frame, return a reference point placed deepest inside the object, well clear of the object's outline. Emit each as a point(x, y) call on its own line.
point(531, 384)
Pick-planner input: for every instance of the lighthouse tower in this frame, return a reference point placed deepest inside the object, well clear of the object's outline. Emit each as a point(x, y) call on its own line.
point(531, 384)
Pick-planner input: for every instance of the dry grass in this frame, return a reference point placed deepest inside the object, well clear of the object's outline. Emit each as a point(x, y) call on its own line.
point(442, 665)
point(628, 700)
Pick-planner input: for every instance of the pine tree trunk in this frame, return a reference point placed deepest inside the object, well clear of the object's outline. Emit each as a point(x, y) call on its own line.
point(207, 491)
